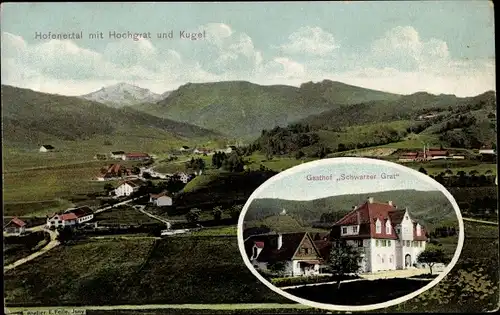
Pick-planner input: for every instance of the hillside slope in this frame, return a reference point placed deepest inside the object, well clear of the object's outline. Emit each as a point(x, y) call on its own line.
point(242, 108)
point(33, 117)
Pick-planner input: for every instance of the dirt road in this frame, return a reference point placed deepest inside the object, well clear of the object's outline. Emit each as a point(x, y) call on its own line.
point(53, 243)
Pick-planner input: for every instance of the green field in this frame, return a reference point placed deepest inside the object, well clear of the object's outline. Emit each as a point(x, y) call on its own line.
point(123, 215)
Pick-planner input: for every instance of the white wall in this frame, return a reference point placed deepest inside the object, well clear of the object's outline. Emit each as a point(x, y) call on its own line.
point(382, 257)
point(124, 190)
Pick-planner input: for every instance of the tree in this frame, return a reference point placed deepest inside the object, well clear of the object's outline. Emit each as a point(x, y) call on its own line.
point(108, 188)
point(299, 155)
point(146, 175)
point(217, 213)
point(277, 267)
point(431, 256)
point(344, 259)
point(422, 170)
point(341, 147)
point(235, 211)
point(234, 163)
point(65, 234)
point(193, 215)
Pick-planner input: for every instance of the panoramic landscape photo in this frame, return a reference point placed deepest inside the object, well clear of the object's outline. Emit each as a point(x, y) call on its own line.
point(127, 161)
point(322, 237)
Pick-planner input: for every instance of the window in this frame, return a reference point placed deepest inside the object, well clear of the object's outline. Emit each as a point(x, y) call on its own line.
point(390, 259)
point(389, 243)
point(384, 243)
point(378, 227)
point(306, 250)
point(355, 229)
point(376, 243)
point(344, 230)
point(383, 258)
point(379, 258)
point(387, 227)
point(360, 243)
point(398, 230)
point(407, 243)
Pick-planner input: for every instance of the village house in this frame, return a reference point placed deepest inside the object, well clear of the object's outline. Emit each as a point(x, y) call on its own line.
point(161, 199)
point(126, 188)
point(117, 155)
point(70, 217)
point(184, 148)
point(436, 154)
point(15, 226)
point(202, 151)
point(46, 148)
point(408, 157)
point(136, 156)
point(296, 251)
point(227, 150)
point(487, 150)
point(387, 237)
point(114, 171)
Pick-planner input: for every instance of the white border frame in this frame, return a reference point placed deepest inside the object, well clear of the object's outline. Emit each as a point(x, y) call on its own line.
point(359, 161)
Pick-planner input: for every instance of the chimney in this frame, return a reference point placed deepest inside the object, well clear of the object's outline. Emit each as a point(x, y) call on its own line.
point(280, 241)
point(390, 203)
point(370, 199)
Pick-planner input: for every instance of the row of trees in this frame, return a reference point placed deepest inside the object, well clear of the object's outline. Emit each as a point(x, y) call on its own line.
point(462, 179)
point(193, 215)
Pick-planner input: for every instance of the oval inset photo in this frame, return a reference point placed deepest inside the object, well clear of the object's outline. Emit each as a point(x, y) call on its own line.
point(350, 234)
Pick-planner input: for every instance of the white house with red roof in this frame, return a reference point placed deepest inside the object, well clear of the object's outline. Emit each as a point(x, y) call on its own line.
point(161, 199)
point(15, 226)
point(387, 236)
point(70, 217)
point(136, 156)
point(126, 188)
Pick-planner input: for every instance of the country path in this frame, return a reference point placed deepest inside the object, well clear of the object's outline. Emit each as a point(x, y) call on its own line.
point(53, 243)
point(480, 221)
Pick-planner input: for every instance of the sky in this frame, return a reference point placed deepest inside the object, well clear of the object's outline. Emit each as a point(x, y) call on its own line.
point(395, 46)
point(296, 186)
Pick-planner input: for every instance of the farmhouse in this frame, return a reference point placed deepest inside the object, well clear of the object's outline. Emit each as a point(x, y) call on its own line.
point(70, 217)
point(161, 199)
point(296, 251)
point(435, 154)
point(114, 171)
point(117, 154)
point(184, 148)
point(487, 150)
point(227, 150)
point(203, 151)
point(136, 156)
point(126, 188)
point(15, 226)
point(46, 148)
point(387, 237)
point(408, 157)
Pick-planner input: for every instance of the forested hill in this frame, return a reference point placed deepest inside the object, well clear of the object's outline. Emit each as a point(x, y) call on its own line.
point(240, 108)
point(34, 117)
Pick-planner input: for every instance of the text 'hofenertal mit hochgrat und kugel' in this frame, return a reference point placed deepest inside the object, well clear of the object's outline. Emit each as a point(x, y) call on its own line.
point(119, 35)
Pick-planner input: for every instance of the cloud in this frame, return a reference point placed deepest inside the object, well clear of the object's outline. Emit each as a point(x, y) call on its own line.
point(400, 61)
point(311, 41)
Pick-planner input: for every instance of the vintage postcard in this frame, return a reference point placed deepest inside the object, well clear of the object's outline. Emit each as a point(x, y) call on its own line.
point(249, 158)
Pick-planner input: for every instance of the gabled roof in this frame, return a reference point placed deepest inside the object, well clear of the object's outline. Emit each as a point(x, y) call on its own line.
point(80, 212)
point(324, 247)
point(162, 194)
point(67, 216)
point(16, 221)
point(270, 253)
point(437, 152)
point(132, 182)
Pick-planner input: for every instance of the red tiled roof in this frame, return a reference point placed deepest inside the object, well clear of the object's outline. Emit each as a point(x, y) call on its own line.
point(159, 195)
point(16, 221)
point(366, 216)
point(412, 154)
point(67, 216)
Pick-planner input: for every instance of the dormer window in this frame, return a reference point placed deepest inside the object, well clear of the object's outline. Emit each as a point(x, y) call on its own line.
point(388, 227)
point(344, 230)
point(355, 229)
point(378, 227)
